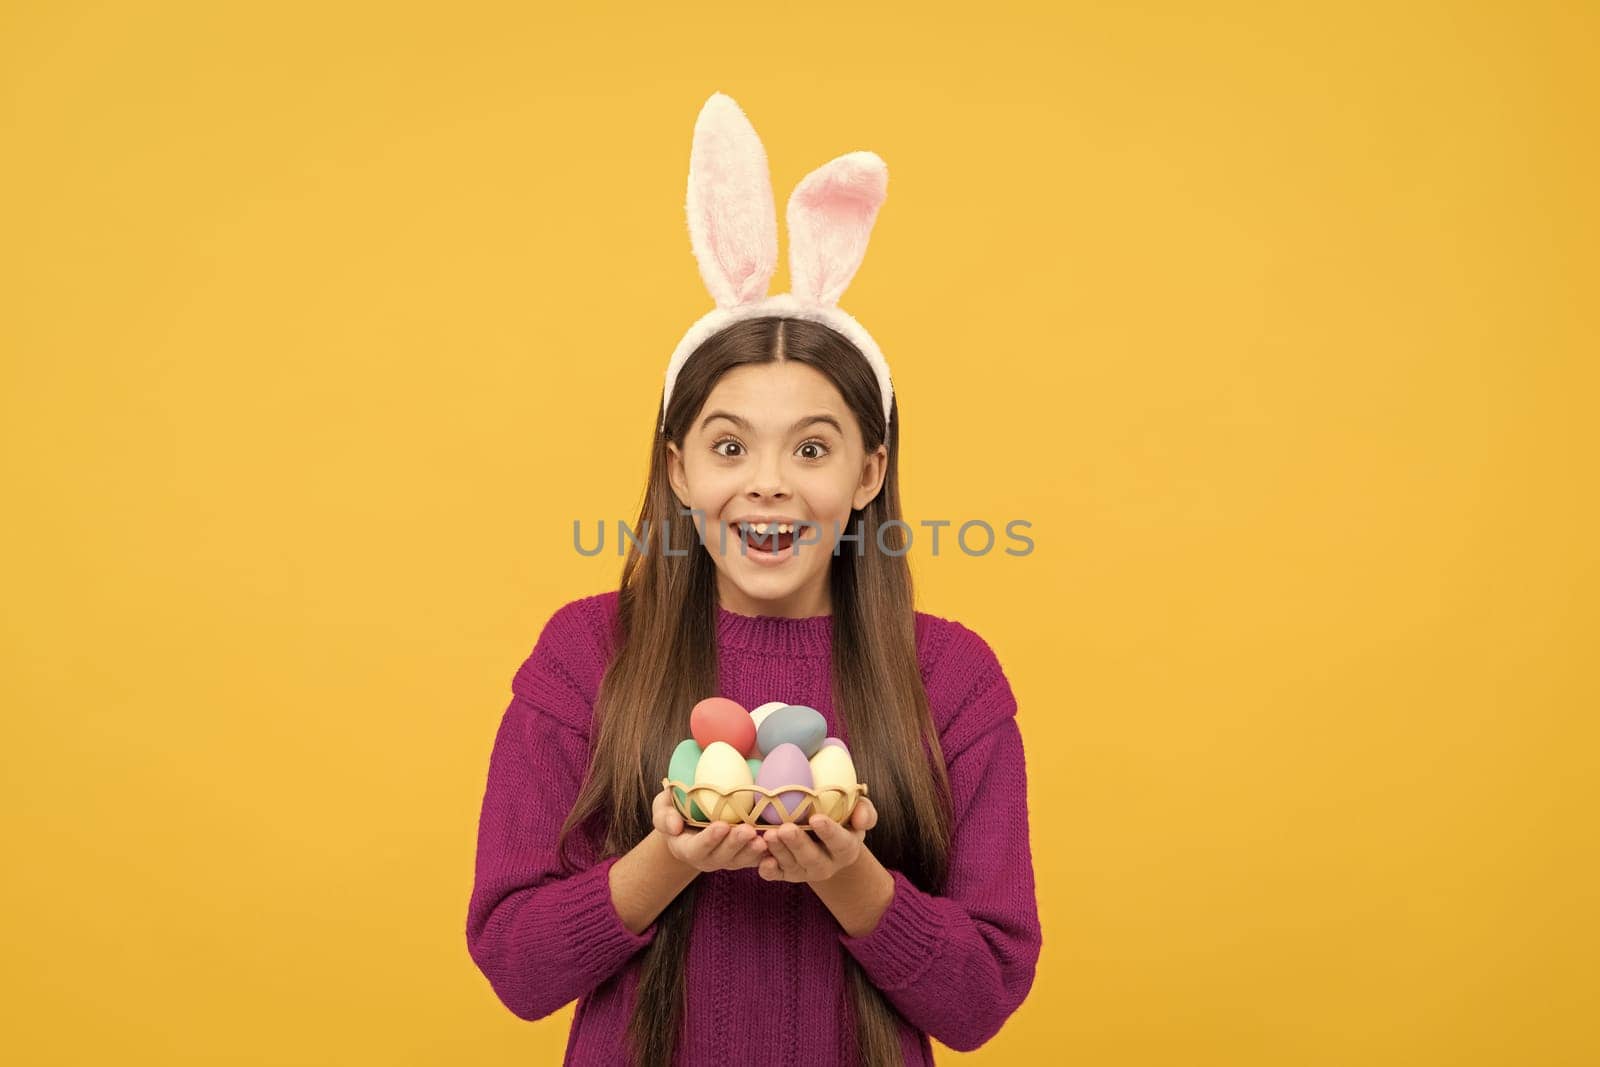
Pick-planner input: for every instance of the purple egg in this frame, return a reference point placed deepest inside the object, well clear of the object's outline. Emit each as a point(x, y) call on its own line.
point(826, 741)
point(784, 765)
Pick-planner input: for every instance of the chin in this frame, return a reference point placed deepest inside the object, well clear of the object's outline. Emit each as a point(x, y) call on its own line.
point(769, 586)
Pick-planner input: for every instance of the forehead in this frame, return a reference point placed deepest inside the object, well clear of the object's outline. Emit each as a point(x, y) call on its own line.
point(774, 395)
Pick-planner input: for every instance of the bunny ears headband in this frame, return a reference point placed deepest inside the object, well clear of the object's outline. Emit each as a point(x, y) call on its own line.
point(733, 229)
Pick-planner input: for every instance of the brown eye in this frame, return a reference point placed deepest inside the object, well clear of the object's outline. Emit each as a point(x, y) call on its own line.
point(717, 448)
point(815, 444)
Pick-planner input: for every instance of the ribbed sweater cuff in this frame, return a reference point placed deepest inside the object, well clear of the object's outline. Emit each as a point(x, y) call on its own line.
point(587, 924)
point(908, 938)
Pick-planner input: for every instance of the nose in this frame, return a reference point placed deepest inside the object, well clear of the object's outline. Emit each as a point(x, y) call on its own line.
point(767, 481)
point(773, 491)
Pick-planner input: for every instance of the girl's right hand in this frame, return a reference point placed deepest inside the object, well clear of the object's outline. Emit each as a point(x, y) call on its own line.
point(720, 846)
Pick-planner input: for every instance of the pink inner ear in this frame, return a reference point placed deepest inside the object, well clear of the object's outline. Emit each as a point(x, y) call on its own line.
point(830, 217)
point(738, 266)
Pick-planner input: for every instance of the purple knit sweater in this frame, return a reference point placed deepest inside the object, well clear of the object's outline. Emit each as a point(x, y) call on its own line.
point(765, 963)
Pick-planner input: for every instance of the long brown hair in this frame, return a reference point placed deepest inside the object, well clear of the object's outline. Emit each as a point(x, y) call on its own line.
point(666, 657)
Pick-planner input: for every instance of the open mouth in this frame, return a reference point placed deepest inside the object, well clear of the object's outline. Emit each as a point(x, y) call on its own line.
point(767, 538)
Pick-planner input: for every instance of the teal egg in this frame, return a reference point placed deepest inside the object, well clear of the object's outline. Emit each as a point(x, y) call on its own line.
point(755, 767)
point(685, 758)
point(795, 725)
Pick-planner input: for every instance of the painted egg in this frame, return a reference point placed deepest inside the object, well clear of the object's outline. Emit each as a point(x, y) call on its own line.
point(785, 765)
point(833, 776)
point(721, 719)
point(723, 767)
point(833, 741)
point(685, 760)
point(759, 716)
point(795, 725)
point(755, 767)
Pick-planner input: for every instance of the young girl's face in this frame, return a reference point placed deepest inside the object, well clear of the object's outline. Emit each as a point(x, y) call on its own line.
point(775, 442)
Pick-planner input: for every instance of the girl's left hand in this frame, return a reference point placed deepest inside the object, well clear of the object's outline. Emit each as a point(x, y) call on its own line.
point(797, 856)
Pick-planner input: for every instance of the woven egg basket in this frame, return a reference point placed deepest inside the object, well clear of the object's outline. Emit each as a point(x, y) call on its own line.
point(828, 800)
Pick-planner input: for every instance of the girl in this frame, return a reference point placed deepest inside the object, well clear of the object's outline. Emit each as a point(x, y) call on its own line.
point(781, 576)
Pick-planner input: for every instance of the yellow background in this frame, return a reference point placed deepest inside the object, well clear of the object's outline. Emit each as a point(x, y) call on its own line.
point(323, 322)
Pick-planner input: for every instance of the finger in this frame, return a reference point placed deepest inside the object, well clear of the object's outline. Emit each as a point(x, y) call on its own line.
point(735, 853)
point(707, 840)
point(665, 812)
point(774, 869)
point(753, 845)
point(834, 839)
point(865, 816)
point(778, 848)
point(810, 855)
point(734, 843)
point(791, 867)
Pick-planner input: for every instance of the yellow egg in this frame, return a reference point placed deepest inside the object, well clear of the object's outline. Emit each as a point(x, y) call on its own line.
point(833, 778)
point(723, 767)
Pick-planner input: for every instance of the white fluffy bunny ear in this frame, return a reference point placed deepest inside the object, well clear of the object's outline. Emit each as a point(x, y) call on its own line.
point(733, 225)
point(830, 218)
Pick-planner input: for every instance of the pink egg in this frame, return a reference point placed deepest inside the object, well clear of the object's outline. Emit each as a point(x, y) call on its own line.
point(826, 741)
point(721, 719)
point(785, 765)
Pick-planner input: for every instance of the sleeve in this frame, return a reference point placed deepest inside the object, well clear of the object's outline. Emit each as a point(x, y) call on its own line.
point(542, 938)
point(957, 965)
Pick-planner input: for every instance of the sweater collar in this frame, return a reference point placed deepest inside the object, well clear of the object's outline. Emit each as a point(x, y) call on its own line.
point(775, 634)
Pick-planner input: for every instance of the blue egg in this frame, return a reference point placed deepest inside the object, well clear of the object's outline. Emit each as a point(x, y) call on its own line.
point(795, 725)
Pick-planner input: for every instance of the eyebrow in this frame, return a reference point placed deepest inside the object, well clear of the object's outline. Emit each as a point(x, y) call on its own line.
point(745, 423)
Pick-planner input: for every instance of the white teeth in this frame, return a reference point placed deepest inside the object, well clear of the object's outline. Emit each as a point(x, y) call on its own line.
point(761, 528)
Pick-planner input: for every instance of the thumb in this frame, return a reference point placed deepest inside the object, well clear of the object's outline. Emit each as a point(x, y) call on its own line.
point(865, 817)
